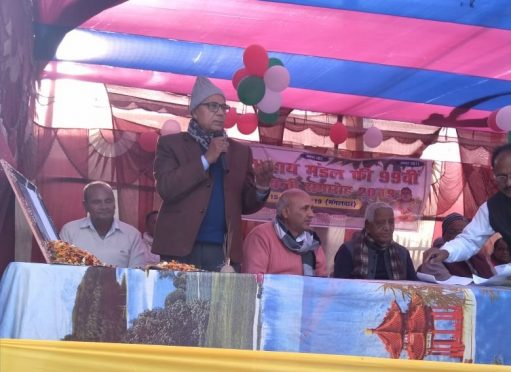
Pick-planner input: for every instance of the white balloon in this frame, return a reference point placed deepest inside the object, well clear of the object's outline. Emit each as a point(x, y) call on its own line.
point(170, 127)
point(373, 137)
point(503, 118)
point(276, 78)
point(271, 101)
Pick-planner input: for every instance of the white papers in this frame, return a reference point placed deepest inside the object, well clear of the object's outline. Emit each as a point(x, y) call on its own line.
point(503, 269)
point(503, 277)
point(455, 280)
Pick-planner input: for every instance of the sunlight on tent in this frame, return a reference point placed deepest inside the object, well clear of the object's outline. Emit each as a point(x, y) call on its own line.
point(77, 104)
point(72, 104)
point(81, 46)
point(444, 151)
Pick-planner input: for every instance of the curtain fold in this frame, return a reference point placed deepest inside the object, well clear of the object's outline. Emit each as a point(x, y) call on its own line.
point(16, 84)
point(67, 159)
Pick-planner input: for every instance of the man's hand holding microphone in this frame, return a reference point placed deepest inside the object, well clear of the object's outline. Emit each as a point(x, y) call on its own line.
point(217, 147)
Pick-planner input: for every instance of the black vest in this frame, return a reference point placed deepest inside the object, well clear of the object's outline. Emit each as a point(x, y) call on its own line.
point(499, 208)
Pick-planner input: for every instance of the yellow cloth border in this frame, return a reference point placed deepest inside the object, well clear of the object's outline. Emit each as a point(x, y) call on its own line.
point(37, 355)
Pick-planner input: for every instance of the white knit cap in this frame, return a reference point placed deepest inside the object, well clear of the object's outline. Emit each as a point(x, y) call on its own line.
point(202, 89)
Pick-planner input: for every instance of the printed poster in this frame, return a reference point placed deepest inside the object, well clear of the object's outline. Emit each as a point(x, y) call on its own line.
point(341, 188)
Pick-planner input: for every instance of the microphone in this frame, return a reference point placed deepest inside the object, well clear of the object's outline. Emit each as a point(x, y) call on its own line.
point(223, 160)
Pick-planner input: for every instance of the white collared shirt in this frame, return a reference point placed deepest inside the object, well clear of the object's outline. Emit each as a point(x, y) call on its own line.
point(121, 247)
point(472, 238)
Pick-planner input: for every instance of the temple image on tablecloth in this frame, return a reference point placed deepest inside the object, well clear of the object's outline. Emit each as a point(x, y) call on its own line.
point(387, 320)
point(425, 330)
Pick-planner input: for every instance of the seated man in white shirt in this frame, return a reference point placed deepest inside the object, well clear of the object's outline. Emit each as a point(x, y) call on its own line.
point(110, 240)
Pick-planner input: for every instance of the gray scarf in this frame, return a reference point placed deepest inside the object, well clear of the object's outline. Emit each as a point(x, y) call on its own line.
point(308, 244)
point(202, 137)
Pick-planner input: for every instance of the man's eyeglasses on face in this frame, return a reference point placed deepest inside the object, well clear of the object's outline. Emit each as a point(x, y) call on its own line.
point(215, 106)
point(502, 178)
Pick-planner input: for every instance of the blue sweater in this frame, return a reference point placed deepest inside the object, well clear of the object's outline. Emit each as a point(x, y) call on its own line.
point(213, 227)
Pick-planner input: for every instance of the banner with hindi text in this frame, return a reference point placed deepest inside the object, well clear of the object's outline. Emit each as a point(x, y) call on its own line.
point(341, 188)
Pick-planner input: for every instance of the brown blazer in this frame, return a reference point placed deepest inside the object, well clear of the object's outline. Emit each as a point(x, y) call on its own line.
point(186, 188)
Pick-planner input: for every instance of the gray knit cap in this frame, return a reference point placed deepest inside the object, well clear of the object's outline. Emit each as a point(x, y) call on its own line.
point(202, 89)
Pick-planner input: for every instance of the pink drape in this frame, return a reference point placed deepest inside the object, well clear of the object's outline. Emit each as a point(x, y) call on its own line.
point(16, 82)
point(69, 158)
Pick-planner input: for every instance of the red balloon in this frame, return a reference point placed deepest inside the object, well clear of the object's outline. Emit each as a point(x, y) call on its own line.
point(338, 133)
point(148, 141)
point(231, 117)
point(238, 76)
point(256, 60)
point(247, 123)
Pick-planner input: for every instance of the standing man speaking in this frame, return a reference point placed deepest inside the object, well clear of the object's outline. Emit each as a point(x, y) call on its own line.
point(207, 182)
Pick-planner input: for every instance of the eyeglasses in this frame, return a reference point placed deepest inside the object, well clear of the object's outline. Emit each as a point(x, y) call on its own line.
point(215, 106)
point(502, 178)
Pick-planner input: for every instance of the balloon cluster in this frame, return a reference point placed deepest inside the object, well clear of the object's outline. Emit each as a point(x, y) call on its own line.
point(500, 120)
point(258, 84)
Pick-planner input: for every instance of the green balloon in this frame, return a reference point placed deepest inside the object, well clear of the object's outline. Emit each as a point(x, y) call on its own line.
point(266, 118)
point(275, 62)
point(251, 90)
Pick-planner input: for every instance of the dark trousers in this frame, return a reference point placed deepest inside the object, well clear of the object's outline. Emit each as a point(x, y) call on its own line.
point(205, 256)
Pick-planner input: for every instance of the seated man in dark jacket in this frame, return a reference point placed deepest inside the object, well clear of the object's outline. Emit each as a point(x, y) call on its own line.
point(479, 264)
point(373, 254)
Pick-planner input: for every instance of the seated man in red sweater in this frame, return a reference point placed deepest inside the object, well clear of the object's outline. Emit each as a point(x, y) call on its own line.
point(286, 245)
